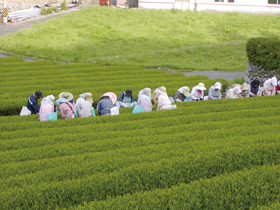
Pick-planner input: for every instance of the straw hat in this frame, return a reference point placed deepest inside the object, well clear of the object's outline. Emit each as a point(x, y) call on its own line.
point(163, 89)
point(200, 86)
point(68, 96)
point(112, 96)
point(244, 86)
point(187, 91)
point(89, 98)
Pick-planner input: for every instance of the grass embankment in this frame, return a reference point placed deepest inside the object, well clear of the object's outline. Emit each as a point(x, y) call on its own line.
point(149, 38)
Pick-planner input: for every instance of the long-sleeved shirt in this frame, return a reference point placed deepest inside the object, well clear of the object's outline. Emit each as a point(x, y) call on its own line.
point(44, 110)
point(250, 91)
point(212, 94)
point(179, 97)
point(195, 94)
point(83, 107)
point(104, 106)
point(126, 99)
point(268, 88)
point(66, 110)
point(32, 104)
point(146, 103)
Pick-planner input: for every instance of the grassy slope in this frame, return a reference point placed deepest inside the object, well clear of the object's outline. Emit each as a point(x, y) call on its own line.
point(150, 38)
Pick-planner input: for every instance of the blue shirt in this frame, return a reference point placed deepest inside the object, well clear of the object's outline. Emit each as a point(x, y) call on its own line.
point(32, 104)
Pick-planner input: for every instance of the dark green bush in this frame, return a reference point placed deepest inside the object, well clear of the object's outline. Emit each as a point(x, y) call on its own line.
point(265, 52)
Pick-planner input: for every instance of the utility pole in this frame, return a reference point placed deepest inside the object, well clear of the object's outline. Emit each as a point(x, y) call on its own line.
point(5, 12)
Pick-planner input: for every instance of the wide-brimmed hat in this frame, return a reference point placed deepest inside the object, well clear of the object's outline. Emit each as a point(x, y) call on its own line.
point(187, 91)
point(244, 86)
point(68, 96)
point(218, 85)
point(39, 94)
point(200, 86)
point(89, 98)
point(163, 89)
point(112, 96)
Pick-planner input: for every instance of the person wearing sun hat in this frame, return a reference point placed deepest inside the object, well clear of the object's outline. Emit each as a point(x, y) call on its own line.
point(47, 107)
point(66, 108)
point(68, 96)
point(163, 102)
point(269, 87)
point(104, 105)
point(181, 94)
point(145, 99)
point(32, 103)
point(234, 91)
point(197, 92)
point(214, 91)
point(84, 105)
point(245, 90)
point(126, 99)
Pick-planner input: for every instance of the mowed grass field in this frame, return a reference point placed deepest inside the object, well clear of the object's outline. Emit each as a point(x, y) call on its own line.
point(218, 154)
point(148, 38)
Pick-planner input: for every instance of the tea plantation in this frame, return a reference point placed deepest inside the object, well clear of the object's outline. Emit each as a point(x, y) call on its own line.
point(222, 154)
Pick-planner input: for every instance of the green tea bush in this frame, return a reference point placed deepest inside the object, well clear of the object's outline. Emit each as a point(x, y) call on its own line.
point(265, 52)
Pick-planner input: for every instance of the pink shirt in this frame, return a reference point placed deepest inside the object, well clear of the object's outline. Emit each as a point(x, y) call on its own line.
point(146, 103)
point(44, 110)
point(65, 111)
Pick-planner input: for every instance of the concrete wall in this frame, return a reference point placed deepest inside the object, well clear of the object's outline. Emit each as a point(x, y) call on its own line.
point(247, 6)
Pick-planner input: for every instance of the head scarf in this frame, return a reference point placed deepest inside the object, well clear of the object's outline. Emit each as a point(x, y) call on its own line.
point(237, 89)
point(273, 81)
point(218, 85)
point(61, 100)
point(145, 93)
point(158, 93)
point(182, 89)
point(48, 100)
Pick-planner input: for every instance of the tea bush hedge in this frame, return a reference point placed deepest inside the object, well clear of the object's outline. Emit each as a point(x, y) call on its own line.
point(218, 154)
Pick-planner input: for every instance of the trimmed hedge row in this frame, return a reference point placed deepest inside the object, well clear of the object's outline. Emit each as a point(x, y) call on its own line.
point(246, 189)
point(264, 52)
point(143, 177)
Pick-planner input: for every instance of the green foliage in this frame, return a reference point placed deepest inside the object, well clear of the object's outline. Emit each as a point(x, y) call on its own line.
point(148, 38)
point(48, 10)
point(63, 5)
point(265, 52)
point(23, 79)
point(215, 154)
point(240, 190)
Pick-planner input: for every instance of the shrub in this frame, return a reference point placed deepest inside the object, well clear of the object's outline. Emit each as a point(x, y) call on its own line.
point(63, 5)
point(265, 52)
point(48, 10)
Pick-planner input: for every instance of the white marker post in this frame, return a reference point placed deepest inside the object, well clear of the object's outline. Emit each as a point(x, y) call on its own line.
point(5, 12)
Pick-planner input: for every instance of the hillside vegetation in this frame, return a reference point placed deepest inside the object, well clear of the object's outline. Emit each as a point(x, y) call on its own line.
point(148, 38)
point(20, 79)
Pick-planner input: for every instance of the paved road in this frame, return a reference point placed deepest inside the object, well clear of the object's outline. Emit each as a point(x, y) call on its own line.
point(228, 75)
point(17, 26)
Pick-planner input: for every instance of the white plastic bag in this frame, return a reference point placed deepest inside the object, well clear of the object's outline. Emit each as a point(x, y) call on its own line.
point(115, 111)
point(24, 111)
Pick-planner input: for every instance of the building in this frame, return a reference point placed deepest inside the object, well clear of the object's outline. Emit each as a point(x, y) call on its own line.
point(246, 6)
